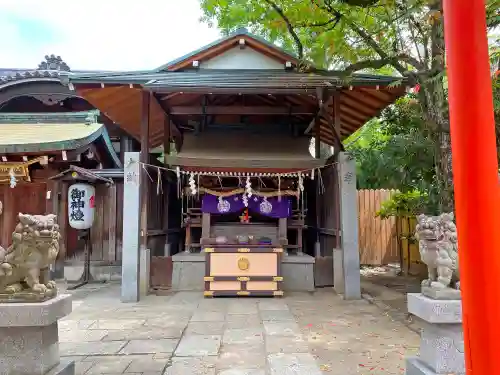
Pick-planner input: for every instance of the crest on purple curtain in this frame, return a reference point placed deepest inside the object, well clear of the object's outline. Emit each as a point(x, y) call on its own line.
point(267, 206)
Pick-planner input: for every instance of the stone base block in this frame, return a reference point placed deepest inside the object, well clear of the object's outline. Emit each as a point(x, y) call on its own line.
point(338, 271)
point(298, 273)
point(73, 272)
point(442, 348)
point(29, 343)
point(189, 270)
point(416, 367)
point(446, 293)
point(434, 310)
point(63, 368)
point(441, 343)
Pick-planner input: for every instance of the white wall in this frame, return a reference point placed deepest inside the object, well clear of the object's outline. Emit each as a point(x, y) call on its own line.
point(246, 58)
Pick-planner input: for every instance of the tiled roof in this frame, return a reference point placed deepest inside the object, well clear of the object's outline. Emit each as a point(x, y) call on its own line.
point(85, 117)
point(21, 75)
point(252, 77)
point(20, 132)
point(52, 131)
point(261, 79)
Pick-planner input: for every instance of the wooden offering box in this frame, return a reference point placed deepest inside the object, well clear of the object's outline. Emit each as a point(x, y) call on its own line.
point(243, 270)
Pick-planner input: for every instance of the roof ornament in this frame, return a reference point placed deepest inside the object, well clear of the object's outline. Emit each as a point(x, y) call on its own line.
point(53, 62)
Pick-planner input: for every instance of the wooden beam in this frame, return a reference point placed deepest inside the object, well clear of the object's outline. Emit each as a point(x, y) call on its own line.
point(240, 110)
point(323, 99)
point(166, 138)
point(145, 118)
point(336, 123)
point(175, 129)
point(69, 156)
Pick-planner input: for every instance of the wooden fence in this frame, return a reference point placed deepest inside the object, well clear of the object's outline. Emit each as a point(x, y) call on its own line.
point(384, 241)
point(377, 237)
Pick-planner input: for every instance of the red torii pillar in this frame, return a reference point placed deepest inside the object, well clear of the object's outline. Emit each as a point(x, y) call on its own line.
point(475, 169)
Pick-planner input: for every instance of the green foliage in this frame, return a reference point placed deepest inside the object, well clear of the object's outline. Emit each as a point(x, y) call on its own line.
point(408, 147)
point(394, 151)
point(407, 204)
point(323, 31)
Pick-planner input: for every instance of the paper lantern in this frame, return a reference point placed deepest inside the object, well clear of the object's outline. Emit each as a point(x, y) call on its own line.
point(81, 206)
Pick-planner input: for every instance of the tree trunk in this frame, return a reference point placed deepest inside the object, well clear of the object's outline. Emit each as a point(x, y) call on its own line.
point(434, 102)
point(445, 172)
point(434, 106)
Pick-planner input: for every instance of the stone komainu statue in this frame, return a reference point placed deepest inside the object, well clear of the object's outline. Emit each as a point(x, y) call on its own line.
point(437, 239)
point(24, 266)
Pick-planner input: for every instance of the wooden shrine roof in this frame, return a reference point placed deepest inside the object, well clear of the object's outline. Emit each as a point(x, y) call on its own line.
point(57, 131)
point(179, 85)
point(223, 44)
point(211, 152)
point(362, 97)
point(78, 173)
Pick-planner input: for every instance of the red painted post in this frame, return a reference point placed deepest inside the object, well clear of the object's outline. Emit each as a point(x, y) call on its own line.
point(475, 169)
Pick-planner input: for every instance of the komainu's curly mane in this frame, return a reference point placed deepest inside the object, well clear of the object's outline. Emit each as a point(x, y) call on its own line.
point(35, 245)
point(437, 236)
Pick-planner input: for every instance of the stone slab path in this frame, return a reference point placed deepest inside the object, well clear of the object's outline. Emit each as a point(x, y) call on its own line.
point(185, 334)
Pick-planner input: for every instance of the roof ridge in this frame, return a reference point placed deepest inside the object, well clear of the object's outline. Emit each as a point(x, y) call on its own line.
point(241, 31)
point(88, 117)
point(19, 75)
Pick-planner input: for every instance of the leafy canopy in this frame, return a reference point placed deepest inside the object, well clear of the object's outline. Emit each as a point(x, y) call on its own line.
point(392, 35)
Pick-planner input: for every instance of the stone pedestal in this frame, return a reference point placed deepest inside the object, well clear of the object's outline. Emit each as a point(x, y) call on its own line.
point(29, 341)
point(189, 270)
point(442, 342)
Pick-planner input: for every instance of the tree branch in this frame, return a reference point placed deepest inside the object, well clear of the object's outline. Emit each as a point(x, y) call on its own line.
point(380, 63)
point(320, 24)
point(289, 26)
point(328, 7)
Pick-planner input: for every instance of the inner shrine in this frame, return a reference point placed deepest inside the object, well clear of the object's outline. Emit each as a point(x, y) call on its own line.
point(253, 166)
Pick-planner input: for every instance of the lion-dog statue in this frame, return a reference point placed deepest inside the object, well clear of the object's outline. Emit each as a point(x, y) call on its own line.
point(437, 238)
point(24, 266)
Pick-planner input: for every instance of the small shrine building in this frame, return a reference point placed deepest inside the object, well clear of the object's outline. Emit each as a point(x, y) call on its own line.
point(259, 212)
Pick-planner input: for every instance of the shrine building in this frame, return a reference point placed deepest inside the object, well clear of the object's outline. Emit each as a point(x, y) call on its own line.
point(225, 169)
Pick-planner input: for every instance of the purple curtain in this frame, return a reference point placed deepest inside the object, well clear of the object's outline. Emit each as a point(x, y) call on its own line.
point(271, 207)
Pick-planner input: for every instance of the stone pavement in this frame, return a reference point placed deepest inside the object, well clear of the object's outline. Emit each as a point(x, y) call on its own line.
point(185, 334)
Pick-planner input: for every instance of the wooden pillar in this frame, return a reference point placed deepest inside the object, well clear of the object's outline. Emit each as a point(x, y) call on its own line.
point(317, 155)
point(166, 200)
point(112, 192)
point(475, 177)
point(205, 226)
point(63, 220)
point(282, 232)
point(187, 241)
point(144, 158)
point(126, 145)
point(166, 138)
point(53, 207)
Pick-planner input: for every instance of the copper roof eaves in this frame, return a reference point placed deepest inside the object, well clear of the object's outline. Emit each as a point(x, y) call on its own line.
point(196, 80)
point(88, 117)
point(88, 173)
